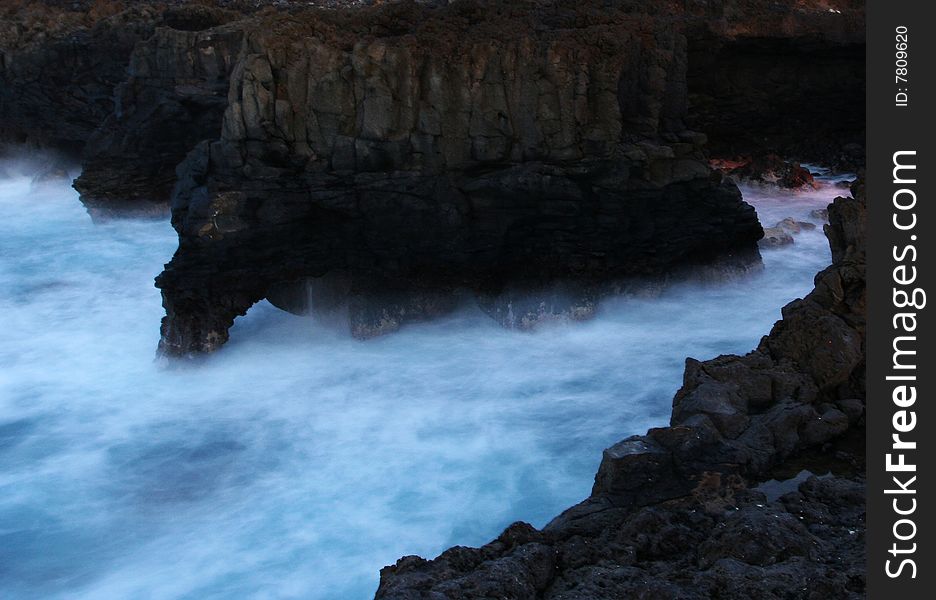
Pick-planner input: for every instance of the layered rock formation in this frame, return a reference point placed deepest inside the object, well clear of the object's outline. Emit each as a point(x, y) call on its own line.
point(128, 89)
point(413, 148)
point(174, 97)
point(385, 157)
point(678, 512)
point(474, 146)
point(761, 76)
point(59, 67)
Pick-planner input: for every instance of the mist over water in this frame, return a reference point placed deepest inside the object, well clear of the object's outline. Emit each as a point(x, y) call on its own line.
point(296, 462)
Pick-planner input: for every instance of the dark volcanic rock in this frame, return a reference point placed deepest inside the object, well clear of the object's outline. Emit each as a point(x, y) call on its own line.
point(174, 97)
point(775, 171)
point(780, 77)
point(131, 87)
point(483, 145)
point(758, 76)
point(464, 153)
point(769, 169)
point(775, 237)
point(673, 513)
point(781, 233)
point(59, 66)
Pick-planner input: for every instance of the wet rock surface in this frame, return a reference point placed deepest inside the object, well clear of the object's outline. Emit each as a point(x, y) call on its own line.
point(678, 513)
point(775, 237)
point(404, 152)
point(476, 150)
point(174, 97)
point(418, 146)
point(782, 233)
point(768, 169)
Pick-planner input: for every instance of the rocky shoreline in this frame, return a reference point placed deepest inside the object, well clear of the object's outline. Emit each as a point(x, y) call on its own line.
point(391, 157)
point(410, 150)
point(419, 150)
point(683, 511)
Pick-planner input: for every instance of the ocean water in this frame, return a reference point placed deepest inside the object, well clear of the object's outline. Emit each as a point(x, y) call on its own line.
point(296, 461)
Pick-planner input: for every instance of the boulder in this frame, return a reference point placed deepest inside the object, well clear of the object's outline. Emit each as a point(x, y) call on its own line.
point(678, 513)
point(775, 237)
point(767, 170)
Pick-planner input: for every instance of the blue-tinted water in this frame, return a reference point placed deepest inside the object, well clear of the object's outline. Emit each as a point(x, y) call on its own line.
point(296, 461)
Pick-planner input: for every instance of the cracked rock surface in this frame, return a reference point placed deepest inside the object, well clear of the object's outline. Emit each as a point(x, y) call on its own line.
point(678, 512)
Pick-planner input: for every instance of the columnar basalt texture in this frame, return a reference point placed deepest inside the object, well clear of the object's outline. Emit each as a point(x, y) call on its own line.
point(677, 513)
point(387, 156)
point(455, 147)
point(763, 76)
point(174, 97)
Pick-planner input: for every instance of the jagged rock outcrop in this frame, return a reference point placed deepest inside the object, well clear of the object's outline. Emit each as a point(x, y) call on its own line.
point(761, 76)
point(456, 147)
point(129, 88)
point(59, 66)
point(767, 169)
point(677, 513)
point(174, 97)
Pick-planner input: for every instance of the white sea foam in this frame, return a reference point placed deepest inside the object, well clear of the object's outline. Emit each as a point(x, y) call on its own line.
point(297, 461)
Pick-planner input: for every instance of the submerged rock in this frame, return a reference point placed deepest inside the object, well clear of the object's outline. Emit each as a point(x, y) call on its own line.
point(781, 234)
point(775, 237)
point(793, 226)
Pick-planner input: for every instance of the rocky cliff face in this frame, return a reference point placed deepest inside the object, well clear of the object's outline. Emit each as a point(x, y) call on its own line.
point(790, 82)
point(458, 147)
point(388, 156)
point(128, 89)
point(59, 67)
point(409, 149)
point(771, 102)
point(174, 96)
point(761, 76)
point(682, 512)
